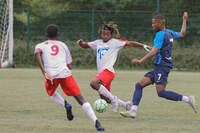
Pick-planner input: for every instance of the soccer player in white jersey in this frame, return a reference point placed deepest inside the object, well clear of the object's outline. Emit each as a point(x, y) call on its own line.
point(56, 70)
point(107, 50)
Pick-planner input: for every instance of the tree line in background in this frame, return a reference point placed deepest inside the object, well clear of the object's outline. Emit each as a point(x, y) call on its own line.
point(165, 5)
point(77, 24)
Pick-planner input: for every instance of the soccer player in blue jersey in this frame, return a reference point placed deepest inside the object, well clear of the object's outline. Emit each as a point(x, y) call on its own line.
point(162, 50)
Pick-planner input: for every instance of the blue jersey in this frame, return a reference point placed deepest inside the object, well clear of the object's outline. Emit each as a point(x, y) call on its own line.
point(163, 41)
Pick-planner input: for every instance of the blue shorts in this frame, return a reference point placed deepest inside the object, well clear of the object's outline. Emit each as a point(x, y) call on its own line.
point(159, 75)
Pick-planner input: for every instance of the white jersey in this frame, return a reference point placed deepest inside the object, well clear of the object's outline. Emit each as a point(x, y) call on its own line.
point(106, 53)
point(56, 56)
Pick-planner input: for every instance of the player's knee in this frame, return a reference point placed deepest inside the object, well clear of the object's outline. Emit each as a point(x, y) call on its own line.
point(93, 84)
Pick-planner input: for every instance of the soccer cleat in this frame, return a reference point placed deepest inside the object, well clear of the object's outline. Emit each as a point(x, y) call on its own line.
point(115, 104)
point(129, 114)
point(68, 108)
point(98, 126)
point(192, 103)
point(128, 105)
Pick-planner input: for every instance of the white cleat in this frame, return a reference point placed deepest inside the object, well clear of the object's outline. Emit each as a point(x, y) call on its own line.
point(192, 103)
point(129, 114)
point(115, 104)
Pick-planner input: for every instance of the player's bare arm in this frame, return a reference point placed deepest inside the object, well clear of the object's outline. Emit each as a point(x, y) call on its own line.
point(82, 43)
point(39, 61)
point(137, 44)
point(69, 66)
point(146, 57)
point(183, 29)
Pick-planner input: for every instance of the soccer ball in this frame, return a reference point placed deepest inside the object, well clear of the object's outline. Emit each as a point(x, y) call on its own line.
point(100, 105)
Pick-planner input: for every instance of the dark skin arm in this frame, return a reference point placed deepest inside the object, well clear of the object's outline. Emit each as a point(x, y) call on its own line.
point(82, 43)
point(68, 65)
point(183, 29)
point(39, 61)
point(137, 44)
point(149, 55)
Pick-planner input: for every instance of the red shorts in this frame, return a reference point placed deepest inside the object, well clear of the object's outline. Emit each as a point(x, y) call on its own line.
point(68, 84)
point(106, 78)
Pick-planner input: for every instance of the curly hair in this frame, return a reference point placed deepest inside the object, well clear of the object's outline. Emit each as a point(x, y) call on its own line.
point(112, 27)
point(52, 30)
point(159, 17)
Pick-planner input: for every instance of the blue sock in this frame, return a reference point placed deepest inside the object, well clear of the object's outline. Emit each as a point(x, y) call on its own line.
point(170, 95)
point(137, 94)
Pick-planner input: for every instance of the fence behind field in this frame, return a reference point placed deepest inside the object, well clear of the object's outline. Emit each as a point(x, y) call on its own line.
point(73, 25)
point(133, 25)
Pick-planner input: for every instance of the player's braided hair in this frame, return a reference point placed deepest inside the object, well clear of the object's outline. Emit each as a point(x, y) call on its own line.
point(112, 27)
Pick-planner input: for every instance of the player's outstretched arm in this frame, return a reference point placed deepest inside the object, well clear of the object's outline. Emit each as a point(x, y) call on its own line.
point(82, 43)
point(137, 44)
point(153, 52)
point(183, 29)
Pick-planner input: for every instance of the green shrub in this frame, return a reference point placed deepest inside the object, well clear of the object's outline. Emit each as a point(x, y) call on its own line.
point(183, 58)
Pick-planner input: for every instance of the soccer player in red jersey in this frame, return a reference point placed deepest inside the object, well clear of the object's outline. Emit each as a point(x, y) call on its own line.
point(56, 70)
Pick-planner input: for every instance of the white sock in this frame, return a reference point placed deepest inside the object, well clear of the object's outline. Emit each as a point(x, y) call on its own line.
point(121, 103)
point(89, 111)
point(185, 99)
point(134, 107)
point(102, 90)
point(58, 98)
